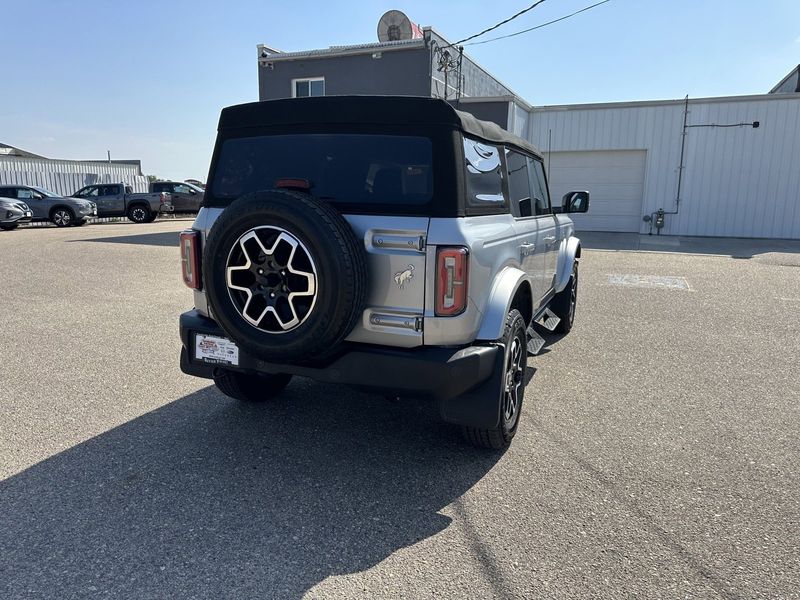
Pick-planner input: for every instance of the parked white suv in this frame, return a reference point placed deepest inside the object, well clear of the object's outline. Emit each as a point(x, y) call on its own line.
point(390, 243)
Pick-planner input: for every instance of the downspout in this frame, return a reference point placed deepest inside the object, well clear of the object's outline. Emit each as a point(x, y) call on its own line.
point(657, 217)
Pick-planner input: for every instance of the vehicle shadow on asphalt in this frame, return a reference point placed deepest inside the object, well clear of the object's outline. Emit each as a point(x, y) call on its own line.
point(164, 238)
point(206, 497)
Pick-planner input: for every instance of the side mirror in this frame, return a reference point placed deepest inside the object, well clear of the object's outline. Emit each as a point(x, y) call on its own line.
point(525, 208)
point(575, 202)
point(37, 196)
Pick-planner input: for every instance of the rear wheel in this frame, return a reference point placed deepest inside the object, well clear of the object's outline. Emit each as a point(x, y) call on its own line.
point(250, 388)
point(139, 213)
point(62, 217)
point(516, 358)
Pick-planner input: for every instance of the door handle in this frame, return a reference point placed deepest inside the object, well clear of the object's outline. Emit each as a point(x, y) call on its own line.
point(527, 249)
point(549, 239)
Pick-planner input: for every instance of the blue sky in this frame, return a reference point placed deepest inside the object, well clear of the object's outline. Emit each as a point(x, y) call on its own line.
point(147, 79)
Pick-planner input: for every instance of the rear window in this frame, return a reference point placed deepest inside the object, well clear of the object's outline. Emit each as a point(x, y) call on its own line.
point(353, 169)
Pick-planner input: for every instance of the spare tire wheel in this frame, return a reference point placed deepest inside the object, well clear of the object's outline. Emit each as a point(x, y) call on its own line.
point(285, 275)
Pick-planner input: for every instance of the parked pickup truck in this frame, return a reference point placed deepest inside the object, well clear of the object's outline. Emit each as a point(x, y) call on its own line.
point(394, 244)
point(186, 197)
point(118, 200)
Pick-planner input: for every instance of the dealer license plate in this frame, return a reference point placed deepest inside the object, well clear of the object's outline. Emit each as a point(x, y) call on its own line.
point(215, 349)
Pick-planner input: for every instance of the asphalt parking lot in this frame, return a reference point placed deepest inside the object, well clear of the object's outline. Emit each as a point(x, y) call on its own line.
point(658, 454)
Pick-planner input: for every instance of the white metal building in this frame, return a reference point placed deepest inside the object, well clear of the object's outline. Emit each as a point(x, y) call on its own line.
point(66, 176)
point(737, 180)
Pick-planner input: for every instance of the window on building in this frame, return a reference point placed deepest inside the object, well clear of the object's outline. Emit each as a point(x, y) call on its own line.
point(484, 174)
point(302, 88)
point(519, 188)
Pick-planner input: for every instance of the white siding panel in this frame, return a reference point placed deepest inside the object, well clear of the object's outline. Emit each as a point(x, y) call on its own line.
point(738, 181)
point(66, 177)
point(615, 180)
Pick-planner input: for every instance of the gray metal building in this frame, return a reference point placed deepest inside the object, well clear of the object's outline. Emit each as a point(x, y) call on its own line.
point(426, 66)
point(735, 179)
point(66, 176)
point(701, 162)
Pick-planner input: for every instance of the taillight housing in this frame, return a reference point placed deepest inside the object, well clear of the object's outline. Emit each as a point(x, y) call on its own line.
point(452, 271)
point(190, 258)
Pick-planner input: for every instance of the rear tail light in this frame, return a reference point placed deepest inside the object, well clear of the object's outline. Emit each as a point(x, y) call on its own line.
point(190, 258)
point(452, 270)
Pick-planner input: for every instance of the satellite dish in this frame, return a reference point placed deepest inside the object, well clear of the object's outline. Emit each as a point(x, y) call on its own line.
point(395, 26)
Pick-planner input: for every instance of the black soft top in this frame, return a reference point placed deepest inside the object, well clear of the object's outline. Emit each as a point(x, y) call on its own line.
point(380, 110)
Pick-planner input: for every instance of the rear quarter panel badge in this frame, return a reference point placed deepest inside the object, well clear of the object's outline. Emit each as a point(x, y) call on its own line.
point(403, 277)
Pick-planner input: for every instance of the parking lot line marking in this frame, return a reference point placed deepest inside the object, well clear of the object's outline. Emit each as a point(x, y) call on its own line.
point(649, 281)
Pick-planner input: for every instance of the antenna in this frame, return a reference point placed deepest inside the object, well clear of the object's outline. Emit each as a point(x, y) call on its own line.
point(394, 26)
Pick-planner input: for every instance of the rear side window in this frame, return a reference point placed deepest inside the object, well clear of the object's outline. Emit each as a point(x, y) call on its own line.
point(162, 187)
point(484, 175)
point(352, 169)
point(8, 192)
point(539, 188)
point(519, 189)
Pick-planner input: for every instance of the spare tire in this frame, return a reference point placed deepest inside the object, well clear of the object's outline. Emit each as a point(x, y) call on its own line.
point(285, 275)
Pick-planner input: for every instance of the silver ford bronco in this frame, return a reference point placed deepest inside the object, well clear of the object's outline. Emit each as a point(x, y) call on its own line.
point(394, 244)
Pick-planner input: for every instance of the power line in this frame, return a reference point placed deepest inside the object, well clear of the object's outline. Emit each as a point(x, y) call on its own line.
point(522, 12)
point(502, 37)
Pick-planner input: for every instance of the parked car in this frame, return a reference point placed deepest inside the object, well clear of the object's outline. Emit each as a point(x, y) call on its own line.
point(13, 213)
point(47, 206)
point(186, 198)
point(391, 243)
point(118, 200)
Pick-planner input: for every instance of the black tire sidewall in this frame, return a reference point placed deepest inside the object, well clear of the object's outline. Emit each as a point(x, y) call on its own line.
point(515, 327)
point(332, 316)
point(132, 210)
point(68, 212)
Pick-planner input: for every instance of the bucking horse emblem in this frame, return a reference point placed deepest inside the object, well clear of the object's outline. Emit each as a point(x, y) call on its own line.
point(404, 276)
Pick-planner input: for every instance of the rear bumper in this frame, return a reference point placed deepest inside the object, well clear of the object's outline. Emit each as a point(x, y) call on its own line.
point(466, 382)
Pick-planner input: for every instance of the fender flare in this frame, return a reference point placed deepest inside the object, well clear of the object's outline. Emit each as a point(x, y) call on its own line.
point(569, 250)
point(494, 317)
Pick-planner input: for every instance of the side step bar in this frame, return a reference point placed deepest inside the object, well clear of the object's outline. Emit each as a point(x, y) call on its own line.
point(549, 321)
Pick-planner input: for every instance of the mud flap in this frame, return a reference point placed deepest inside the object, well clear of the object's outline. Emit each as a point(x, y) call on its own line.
point(480, 406)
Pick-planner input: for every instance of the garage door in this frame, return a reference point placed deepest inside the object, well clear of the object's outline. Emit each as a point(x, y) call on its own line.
point(615, 180)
